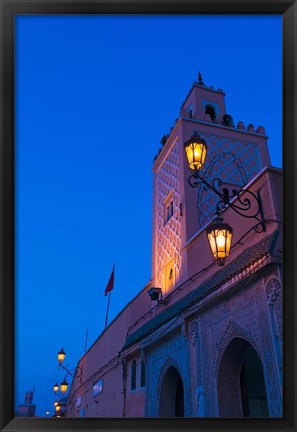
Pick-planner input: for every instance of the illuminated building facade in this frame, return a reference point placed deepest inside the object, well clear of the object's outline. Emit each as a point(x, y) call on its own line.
point(211, 344)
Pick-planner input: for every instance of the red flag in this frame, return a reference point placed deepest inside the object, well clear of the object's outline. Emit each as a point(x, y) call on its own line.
point(109, 286)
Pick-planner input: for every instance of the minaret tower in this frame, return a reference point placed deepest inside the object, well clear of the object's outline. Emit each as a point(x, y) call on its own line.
point(236, 153)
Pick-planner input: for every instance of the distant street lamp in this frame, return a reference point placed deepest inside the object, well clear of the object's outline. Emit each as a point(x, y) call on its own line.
point(64, 386)
point(74, 373)
point(61, 356)
point(250, 206)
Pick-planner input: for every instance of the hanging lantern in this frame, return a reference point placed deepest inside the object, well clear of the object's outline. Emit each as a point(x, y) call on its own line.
point(64, 386)
point(58, 407)
point(56, 387)
point(56, 403)
point(61, 356)
point(220, 238)
point(195, 149)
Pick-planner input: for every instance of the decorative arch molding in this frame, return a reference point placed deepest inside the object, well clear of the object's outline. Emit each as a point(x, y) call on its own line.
point(170, 362)
point(167, 390)
point(233, 330)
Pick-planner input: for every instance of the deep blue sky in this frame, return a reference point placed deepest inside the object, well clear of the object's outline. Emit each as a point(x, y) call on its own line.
point(94, 96)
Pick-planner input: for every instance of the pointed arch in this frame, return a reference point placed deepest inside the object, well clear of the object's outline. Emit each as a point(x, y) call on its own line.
point(241, 386)
point(233, 330)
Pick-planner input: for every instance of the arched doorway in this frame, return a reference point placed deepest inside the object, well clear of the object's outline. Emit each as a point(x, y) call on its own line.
point(172, 394)
point(241, 385)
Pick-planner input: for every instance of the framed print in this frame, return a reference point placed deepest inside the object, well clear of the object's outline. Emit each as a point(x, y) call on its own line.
point(148, 157)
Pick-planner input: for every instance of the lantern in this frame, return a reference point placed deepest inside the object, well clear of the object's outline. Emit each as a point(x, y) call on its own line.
point(64, 386)
point(220, 237)
point(61, 356)
point(58, 407)
point(155, 293)
point(195, 149)
point(56, 387)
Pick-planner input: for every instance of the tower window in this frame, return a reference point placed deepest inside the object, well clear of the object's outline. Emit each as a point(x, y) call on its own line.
point(210, 110)
point(190, 111)
point(168, 208)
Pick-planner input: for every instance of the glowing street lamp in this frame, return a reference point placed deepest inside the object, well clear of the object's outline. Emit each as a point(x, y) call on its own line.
point(220, 238)
point(64, 386)
point(62, 389)
point(195, 149)
point(61, 356)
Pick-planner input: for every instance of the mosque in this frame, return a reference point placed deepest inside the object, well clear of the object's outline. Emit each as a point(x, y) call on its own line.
point(204, 337)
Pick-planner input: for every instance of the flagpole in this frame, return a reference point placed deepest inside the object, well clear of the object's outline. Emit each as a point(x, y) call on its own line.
point(107, 309)
point(86, 339)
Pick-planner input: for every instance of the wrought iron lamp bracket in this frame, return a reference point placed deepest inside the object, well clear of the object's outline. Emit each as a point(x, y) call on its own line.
point(74, 373)
point(248, 206)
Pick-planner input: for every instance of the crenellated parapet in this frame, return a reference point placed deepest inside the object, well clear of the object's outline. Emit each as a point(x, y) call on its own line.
point(206, 105)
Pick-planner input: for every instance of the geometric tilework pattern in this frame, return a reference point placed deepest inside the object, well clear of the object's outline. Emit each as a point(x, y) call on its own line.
point(169, 236)
point(226, 170)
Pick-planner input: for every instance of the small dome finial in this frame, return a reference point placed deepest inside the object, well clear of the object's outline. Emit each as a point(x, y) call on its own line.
point(200, 80)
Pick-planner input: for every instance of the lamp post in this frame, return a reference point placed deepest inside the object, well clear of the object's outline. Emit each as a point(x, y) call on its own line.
point(74, 373)
point(244, 202)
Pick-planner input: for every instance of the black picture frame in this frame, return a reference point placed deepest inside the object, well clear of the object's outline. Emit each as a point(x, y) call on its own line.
point(8, 10)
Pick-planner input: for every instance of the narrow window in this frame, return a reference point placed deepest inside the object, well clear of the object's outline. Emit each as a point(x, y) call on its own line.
point(169, 276)
point(133, 375)
point(190, 111)
point(168, 208)
point(142, 374)
point(210, 110)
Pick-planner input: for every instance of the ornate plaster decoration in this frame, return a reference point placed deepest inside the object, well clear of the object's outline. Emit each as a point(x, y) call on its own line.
point(228, 166)
point(273, 292)
point(168, 236)
point(194, 331)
